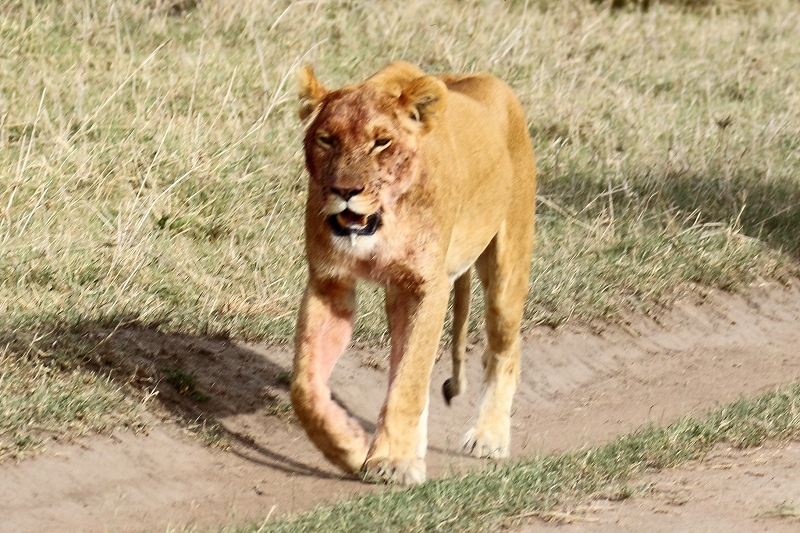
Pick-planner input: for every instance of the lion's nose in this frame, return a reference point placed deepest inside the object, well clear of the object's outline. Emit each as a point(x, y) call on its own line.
point(347, 193)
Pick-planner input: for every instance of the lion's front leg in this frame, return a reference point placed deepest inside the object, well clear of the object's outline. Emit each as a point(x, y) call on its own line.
point(324, 329)
point(397, 453)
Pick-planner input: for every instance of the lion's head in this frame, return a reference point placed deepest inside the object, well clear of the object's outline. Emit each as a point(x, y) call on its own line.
point(361, 145)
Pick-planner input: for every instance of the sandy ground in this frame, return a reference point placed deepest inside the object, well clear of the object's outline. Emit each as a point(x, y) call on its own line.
point(731, 491)
point(579, 386)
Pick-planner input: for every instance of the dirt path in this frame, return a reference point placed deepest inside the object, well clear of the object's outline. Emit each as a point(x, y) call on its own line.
point(578, 387)
point(735, 491)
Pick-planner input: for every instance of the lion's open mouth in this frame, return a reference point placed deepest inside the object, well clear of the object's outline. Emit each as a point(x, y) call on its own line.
point(348, 223)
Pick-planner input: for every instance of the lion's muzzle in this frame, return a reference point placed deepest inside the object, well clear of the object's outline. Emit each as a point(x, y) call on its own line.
point(352, 217)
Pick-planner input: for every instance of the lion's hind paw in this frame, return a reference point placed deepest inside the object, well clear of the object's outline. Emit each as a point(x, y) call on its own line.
point(484, 444)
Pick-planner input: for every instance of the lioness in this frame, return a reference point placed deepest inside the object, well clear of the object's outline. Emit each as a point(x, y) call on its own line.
point(413, 179)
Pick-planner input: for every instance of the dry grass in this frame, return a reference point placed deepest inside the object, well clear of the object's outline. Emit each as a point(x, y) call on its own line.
point(150, 165)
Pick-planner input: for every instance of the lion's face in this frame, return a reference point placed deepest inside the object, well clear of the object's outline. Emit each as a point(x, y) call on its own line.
point(361, 153)
point(361, 149)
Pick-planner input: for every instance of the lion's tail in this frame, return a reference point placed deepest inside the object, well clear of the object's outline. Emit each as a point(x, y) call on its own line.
point(457, 384)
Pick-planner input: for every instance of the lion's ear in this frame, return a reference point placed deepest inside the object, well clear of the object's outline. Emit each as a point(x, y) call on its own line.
point(310, 92)
point(425, 99)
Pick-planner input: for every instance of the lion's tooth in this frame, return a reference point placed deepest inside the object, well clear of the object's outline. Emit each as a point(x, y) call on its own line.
point(352, 239)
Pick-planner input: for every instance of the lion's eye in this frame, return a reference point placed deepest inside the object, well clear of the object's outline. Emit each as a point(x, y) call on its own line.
point(326, 140)
point(381, 143)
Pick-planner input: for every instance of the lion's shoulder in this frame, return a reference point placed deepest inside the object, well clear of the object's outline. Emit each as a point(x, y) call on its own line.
point(490, 93)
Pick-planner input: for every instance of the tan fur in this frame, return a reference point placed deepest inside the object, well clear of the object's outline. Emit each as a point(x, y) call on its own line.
point(445, 166)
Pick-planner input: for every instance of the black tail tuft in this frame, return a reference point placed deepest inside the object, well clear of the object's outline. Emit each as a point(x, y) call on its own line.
point(447, 390)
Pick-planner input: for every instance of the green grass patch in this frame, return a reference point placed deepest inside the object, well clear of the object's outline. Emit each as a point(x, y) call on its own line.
point(483, 501)
point(184, 383)
point(39, 401)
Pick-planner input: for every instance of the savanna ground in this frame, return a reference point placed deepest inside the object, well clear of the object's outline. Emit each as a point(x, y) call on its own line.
point(151, 244)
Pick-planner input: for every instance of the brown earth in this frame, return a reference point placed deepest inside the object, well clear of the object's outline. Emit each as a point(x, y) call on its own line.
point(579, 386)
point(731, 491)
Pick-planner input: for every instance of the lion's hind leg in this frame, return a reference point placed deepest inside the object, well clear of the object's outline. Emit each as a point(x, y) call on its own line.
point(503, 271)
point(457, 384)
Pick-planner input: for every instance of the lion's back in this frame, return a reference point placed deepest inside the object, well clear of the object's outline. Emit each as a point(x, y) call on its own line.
point(497, 118)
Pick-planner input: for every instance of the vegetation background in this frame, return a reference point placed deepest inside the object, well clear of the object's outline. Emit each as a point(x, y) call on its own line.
point(151, 172)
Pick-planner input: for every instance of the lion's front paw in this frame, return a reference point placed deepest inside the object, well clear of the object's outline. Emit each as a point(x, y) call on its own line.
point(400, 471)
point(486, 444)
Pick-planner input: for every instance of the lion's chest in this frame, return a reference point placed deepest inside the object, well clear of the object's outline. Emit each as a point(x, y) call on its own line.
point(404, 258)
